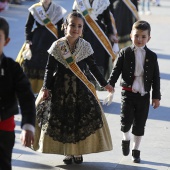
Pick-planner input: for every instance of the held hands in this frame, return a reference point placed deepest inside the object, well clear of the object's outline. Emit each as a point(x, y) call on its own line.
point(109, 88)
point(27, 138)
point(155, 103)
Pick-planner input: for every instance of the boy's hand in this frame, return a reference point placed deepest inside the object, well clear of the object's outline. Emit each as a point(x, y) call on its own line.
point(27, 138)
point(155, 103)
point(109, 88)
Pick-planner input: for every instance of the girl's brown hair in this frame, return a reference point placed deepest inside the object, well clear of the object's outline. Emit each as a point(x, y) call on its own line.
point(74, 13)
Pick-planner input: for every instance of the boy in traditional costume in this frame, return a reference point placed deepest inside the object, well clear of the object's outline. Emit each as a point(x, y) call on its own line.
point(139, 69)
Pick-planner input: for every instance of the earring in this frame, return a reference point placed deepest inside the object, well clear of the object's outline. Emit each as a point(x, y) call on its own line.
point(81, 36)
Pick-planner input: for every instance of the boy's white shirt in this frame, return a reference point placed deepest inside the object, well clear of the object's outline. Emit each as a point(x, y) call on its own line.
point(138, 84)
point(28, 127)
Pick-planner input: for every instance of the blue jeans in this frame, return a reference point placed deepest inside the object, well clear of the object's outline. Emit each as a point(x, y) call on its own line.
point(147, 3)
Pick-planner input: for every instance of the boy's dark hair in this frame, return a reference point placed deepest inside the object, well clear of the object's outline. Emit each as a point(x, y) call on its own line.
point(74, 13)
point(142, 25)
point(4, 26)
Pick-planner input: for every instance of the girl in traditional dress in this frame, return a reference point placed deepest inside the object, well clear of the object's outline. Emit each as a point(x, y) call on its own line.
point(48, 18)
point(74, 123)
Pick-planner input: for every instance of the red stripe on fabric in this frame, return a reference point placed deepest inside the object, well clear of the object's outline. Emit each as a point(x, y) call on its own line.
point(8, 124)
point(127, 88)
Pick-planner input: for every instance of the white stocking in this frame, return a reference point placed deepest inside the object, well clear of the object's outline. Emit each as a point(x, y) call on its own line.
point(136, 142)
point(126, 135)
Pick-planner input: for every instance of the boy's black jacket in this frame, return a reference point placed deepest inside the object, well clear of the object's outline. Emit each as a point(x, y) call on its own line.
point(126, 67)
point(14, 88)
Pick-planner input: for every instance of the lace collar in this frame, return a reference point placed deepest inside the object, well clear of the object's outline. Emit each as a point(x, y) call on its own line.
point(97, 8)
point(54, 12)
point(83, 50)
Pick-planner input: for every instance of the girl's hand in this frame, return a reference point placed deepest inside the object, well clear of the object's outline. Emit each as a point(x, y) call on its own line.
point(109, 88)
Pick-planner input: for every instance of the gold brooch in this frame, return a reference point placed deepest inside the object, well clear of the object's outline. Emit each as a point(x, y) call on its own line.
point(90, 10)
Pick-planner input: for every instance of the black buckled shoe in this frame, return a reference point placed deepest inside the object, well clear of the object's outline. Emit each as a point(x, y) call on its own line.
point(136, 156)
point(78, 159)
point(68, 159)
point(125, 147)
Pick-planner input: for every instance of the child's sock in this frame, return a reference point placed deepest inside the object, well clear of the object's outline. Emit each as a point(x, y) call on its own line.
point(136, 142)
point(126, 135)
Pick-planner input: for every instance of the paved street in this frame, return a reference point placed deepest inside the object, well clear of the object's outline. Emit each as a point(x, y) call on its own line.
point(155, 145)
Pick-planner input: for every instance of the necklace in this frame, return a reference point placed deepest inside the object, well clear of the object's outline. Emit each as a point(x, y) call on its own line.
point(72, 46)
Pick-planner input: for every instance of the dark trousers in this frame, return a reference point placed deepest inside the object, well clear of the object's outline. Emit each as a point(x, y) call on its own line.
point(7, 140)
point(134, 112)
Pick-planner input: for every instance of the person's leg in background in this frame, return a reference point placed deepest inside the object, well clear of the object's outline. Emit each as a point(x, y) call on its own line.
point(143, 6)
point(148, 5)
point(148, 12)
point(157, 2)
